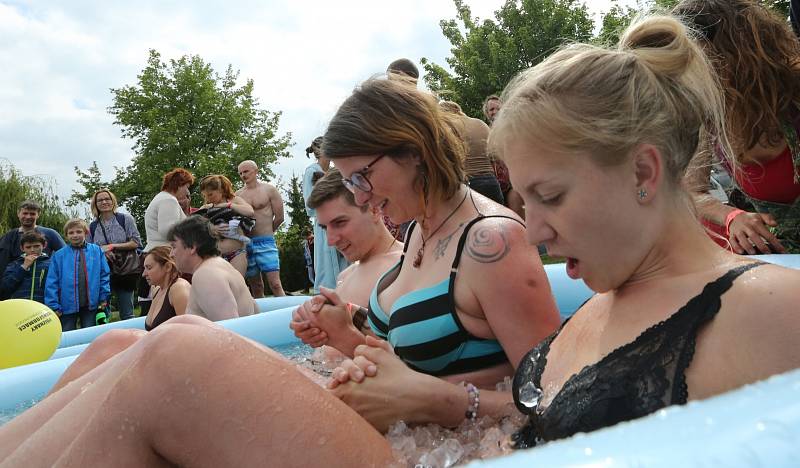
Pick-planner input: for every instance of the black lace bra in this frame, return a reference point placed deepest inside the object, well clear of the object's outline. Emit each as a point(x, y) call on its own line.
point(632, 381)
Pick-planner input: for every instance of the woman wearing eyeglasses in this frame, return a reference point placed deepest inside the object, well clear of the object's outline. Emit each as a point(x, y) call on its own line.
point(328, 262)
point(114, 231)
point(451, 306)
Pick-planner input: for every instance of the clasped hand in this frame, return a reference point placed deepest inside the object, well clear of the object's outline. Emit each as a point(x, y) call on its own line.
point(323, 320)
point(379, 386)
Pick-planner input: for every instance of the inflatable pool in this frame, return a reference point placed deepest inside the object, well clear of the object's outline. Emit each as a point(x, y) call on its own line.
point(753, 426)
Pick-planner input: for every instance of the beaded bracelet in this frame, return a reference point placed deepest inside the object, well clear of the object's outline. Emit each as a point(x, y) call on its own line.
point(474, 396)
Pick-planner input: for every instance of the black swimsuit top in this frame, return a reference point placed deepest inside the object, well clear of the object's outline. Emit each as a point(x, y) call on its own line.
point(166, 312)
point(632, 381)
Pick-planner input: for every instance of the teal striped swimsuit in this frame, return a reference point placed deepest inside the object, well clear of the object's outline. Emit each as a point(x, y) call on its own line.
point(423, 326)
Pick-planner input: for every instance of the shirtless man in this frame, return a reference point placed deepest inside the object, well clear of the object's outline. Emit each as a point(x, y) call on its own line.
point(361, 236)
point(218, 289)
point(262, 253)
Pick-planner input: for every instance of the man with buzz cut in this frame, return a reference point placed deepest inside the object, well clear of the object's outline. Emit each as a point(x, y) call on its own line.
point(218, 289)
point(262, 252)
point(28, 215)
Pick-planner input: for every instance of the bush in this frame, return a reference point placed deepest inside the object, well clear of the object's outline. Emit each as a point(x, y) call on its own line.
point(294, 276)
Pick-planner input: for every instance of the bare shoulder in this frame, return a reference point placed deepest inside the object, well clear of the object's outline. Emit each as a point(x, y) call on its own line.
point(181, 286)
point(759, 317)
point(765, 293)
point(491, 240)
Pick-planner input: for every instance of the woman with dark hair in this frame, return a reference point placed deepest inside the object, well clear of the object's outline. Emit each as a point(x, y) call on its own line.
point(112, 230)
point(328, 262)
point(230, 215)
point(757, 57)
point(171, 292)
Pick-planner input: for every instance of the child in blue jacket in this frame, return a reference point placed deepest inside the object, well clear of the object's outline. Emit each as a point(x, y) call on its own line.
point(78, 283)
point(25, 277)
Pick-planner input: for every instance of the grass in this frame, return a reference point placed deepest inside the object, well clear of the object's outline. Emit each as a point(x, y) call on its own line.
point(547, 260)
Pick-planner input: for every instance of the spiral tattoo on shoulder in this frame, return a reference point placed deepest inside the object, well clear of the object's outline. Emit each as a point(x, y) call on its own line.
point(488, 244)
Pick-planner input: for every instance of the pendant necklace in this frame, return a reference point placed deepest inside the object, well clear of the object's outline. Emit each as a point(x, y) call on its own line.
point(421, 251)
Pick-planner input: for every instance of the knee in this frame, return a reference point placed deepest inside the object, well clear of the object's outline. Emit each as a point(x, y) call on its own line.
point(113, 342)
point(188, 319)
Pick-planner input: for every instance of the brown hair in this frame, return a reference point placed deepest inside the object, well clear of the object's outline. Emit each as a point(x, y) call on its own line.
point(389, 117)
point(656, 88)
point(218, 182)
point(32, 237)
point(404, 66)
point(76, 222)
point(93, 204)
point(175, 178)
point(757, 58)
point(329, 187)
point(163, 255)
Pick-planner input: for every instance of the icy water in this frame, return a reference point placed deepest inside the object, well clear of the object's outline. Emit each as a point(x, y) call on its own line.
point(420, 446)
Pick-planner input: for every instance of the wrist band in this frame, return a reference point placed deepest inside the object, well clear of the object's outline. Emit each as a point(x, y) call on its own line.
point(110, 247)
point(474, 396)
point(359, 316)
point(729, 219)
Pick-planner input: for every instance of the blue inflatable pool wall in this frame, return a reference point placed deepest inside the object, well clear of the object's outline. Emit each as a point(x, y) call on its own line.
point(758, 425)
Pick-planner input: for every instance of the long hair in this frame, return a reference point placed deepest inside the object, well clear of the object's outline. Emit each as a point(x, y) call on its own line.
point(757, 58)
point(163, 255)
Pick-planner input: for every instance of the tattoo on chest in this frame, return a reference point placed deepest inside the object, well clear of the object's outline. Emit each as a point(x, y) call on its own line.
point(441, 244)
point(488, 244)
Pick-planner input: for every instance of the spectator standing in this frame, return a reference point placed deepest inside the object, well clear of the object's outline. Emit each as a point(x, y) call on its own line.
point(115, 232)
point(328, 262)
point(78, 280)
point(164, 211)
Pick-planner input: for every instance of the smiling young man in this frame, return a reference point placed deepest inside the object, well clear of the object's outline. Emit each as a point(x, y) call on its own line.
point(361, 236)
point(218, 289)
point(28, 214)
point(262, 252)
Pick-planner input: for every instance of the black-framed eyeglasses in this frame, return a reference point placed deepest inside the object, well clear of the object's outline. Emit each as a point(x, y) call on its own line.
point(359, 180)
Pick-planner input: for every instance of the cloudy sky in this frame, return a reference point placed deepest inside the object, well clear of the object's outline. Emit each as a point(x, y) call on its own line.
point(305, 56)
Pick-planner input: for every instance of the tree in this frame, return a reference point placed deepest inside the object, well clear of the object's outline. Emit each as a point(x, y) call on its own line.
point(183, 114)
point(290, 241)
point(485, 56)
point(16, 187)
point(91, 183)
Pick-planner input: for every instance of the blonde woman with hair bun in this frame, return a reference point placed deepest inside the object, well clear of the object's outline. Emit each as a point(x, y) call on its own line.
point(598, 142)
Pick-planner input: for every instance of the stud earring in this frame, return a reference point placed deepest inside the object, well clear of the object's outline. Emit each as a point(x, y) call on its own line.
point(642, 194)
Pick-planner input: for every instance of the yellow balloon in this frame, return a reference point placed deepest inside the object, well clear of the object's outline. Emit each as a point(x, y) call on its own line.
point(29, 332)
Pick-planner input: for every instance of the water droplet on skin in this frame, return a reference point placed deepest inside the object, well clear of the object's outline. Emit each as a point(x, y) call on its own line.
point(529, 395)
point(322, 440)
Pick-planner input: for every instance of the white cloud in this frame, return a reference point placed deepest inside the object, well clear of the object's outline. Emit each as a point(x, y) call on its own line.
point(61, 58)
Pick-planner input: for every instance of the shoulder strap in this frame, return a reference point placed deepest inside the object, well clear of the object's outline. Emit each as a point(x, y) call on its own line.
point(408, 236)
point(93, 228)
point(120, 219)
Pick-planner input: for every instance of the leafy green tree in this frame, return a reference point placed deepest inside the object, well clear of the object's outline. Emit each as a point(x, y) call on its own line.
point(91, 182)
point(614, 23)
point(183, 114)
point(290, 241)
point(487, 54)
point(16, 187)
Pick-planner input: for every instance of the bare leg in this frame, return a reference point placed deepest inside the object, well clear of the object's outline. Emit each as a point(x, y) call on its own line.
point(274, 280)
point(102, 348)
point(204, 397)
point(256, 286)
